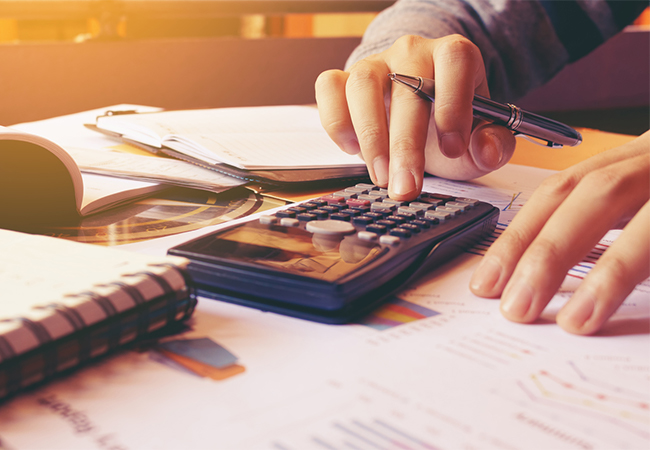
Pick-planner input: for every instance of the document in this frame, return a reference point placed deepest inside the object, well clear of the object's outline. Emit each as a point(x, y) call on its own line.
point(435, 368)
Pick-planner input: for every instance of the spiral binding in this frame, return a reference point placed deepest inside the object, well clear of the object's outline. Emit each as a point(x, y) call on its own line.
point(53, 356)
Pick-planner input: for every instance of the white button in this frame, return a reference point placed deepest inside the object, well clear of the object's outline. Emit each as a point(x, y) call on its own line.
point(268, 220)
point(389, 240)
point(330, 227)
point(367, 236)
point(289, 222)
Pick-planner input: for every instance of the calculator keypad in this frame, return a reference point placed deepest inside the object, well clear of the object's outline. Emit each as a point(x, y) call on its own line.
point(367, 210)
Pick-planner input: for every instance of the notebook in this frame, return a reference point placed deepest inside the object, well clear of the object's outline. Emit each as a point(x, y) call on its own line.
point(64, 303)
point(274, 145)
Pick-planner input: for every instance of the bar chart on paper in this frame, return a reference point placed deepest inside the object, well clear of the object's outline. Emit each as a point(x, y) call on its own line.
point(396, 312)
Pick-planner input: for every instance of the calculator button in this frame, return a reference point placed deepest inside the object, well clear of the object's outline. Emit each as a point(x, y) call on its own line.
point(309, 205)
point(332, 199)
point(449, 209)
point(412, 228)
point(370, 187)
point(440, 216)
point(356, 190)
point(376, 228)
point(306, 217)
point(431, 201)
point(404, 210)
point(382, 208)
point(355, 202)
point(421, 205)
point(268, 220)
point(297, 209)
point(367, 236)
point(469, 201)
point(370, 198)
point(340, 216)
point(390, 224)
point(351, 212)
point(363, 220)
point(289, 222)
point(396, 219)
point(407, 216)
point(320, 213)
point(421, 223)
point(444, 197)
point(462, 206)
point(394, 202)
point(285, 213)
point(331, 209)
point(375, 215)
point(389, 240)
point(400, 232)
point(330, 227)
point(361, 209)
point(346, 195)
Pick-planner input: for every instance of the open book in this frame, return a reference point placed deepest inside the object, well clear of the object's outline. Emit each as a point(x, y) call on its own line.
point(40, 181)
point(267, 144)
point(64, 303)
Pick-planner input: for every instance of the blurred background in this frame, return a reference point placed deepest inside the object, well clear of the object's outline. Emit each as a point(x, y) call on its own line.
point(59, 57)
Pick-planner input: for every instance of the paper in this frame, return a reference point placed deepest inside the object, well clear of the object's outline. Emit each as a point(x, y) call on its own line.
point(460, 376)
point(272, 137)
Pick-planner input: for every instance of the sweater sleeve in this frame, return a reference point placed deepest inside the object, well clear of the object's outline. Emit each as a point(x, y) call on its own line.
point(523, 43)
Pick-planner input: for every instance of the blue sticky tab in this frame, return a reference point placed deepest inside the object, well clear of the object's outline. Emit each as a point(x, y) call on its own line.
point(203, 350)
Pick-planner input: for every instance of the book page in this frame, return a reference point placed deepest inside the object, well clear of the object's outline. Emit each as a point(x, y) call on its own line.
point(104, 192)
point(37, 270)
point(253, 138)
point(152, 168)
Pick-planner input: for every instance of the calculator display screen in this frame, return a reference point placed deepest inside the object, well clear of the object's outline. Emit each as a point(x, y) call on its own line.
point(294, 250)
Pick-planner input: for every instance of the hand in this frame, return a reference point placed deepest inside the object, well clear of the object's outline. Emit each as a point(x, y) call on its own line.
point(395, 130)
point(563, 220)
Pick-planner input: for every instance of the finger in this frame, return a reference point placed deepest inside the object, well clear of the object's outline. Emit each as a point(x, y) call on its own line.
point(459, 72)
point(497, 265)
point(366, 89)
point(624, 265)
point(491, 147)
point(333, 110)
point(571, 232)
point(409, 119)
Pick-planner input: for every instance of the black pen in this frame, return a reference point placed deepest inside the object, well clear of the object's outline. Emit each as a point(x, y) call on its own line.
point(521, 122)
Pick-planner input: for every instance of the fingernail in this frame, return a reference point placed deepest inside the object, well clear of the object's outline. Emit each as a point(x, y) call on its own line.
point(516, 300)
point(452, 145)
point(486, 276)
point(403, 182)
point(578, 309)
point(490, 153)
point(380, 167)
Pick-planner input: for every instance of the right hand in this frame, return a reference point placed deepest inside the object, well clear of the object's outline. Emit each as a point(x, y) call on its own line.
point(396, 132)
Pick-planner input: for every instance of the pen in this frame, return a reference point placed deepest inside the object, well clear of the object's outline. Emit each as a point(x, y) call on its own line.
point(522, 123)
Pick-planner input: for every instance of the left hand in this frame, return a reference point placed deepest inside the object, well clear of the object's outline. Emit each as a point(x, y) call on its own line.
point(563, 220)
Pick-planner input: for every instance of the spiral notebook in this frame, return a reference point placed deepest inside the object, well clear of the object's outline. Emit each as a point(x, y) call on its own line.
point(63, 303)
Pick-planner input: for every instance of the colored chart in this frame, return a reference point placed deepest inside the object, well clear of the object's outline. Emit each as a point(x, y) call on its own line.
point(396, 312)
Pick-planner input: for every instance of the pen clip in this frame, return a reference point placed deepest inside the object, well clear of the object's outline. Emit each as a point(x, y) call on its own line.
point(541, 142)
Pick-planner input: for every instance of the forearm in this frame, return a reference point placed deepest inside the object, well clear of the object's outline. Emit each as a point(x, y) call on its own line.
point(523, 43)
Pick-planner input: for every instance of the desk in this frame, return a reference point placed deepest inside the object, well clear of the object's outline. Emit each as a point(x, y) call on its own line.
point(459, 376)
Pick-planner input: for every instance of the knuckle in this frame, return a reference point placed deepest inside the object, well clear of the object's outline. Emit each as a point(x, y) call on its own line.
point(457, 47)
point(369, 134)
point(407, 42)
point(336, 126)
point(362, 76)
point(605, 182)
point(559, 185)
point(546, 252)
point(404, 145)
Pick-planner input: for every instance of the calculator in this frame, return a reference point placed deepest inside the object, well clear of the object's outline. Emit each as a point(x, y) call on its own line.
point(336, 257)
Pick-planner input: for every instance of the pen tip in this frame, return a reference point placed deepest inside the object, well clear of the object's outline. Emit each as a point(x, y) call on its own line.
point(392, 76)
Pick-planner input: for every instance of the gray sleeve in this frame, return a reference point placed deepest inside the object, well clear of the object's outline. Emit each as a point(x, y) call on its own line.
point(522, 42)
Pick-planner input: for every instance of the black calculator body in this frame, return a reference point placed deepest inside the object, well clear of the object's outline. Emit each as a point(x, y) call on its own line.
point(335, 258)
